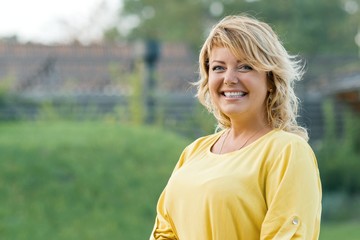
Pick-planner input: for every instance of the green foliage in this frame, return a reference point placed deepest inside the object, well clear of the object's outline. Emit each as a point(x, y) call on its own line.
point(203, 121)
point(338, 206)
point(5, 84)
point(66, 110)
point(47, 112)
point(134, 82)
point(66, 180)
point(112, 35)
point(167, 20)
point(305, 26)
point(339, 156)
point(189, 120)
point(136, 99)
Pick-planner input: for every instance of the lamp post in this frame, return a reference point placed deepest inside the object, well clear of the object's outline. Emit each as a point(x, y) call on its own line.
point(151, 57)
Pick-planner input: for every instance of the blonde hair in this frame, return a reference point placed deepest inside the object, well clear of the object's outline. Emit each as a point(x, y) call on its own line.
point(255, 43)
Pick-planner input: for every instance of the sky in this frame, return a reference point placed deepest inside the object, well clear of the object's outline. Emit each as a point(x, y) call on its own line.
point(56, 21)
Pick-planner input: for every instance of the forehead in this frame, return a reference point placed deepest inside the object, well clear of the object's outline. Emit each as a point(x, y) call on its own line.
point(225, 54)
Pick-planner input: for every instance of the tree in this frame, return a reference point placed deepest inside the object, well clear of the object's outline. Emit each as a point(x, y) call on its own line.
point(306, 26)
point(312, 27)
point(172, 20)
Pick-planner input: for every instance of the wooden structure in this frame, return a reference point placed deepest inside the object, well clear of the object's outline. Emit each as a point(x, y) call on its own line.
point(347, 90)
point(98, 75)
point(95, 69)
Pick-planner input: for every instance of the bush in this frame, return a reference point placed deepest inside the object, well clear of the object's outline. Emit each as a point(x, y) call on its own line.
point(339, 155)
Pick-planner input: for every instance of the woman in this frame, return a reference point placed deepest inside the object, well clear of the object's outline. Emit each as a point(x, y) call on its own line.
point(257, 178)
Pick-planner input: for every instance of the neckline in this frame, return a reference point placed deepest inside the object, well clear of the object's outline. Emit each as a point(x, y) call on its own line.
point(218, 136)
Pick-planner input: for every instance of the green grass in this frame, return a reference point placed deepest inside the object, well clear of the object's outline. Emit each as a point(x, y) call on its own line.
point(336, 231)
point(82, 180)
point(90, 180)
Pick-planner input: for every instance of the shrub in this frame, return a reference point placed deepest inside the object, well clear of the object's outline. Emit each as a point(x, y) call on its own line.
point(339, 155)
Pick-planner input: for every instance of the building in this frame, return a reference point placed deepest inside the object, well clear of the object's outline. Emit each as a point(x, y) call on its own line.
point(40, 70)
point(104, 75)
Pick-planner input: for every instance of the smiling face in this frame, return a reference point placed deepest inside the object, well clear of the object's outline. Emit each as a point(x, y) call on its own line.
point(236, 89)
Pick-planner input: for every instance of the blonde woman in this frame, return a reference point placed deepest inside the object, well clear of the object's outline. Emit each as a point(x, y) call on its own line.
point(256, 178)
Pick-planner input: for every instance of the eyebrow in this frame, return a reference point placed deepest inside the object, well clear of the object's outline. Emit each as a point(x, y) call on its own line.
point(217, 61)
point(222, 62)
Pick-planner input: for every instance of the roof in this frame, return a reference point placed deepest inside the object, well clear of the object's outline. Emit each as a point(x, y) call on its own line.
point(344, 84)
point(347, 90)
point(77, 69)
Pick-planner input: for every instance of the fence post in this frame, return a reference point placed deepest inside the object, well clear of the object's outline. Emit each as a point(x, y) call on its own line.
point(151, 56)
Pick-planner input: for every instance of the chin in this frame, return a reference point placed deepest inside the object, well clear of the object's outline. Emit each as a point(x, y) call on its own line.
point(232, 112)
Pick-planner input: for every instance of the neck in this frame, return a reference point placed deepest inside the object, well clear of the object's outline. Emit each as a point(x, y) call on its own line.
point(239, 129)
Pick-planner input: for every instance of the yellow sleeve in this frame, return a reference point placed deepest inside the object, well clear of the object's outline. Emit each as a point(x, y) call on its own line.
point(293, 195)
point(163, 228)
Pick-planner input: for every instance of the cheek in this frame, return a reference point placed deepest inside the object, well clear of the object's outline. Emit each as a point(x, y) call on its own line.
point(260, 83)
point(262, 93)
point(213, 86)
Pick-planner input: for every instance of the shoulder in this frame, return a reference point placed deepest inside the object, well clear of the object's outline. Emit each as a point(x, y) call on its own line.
point(282, 139)
point(288, 147)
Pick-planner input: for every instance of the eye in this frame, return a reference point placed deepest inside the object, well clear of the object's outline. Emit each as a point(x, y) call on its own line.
point(245, 68)
point(217, 68)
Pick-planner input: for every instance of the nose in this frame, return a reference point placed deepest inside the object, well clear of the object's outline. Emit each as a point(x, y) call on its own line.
point(230, 77)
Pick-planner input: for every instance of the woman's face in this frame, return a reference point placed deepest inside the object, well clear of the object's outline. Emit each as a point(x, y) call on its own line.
point(237, 90)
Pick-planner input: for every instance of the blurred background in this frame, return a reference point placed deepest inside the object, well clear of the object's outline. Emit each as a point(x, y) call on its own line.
point(96, 105)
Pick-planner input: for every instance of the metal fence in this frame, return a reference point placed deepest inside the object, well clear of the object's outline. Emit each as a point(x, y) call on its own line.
point(178, 112)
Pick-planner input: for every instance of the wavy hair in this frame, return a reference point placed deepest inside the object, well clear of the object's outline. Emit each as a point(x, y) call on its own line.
point(255, 43)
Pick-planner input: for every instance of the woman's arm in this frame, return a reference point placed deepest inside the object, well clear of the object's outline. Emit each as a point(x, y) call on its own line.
point(293, 195)
point(164, 228)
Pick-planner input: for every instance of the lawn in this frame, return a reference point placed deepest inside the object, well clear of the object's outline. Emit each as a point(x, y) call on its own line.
point(82, 180)
point(342, 231)
point(90, 180)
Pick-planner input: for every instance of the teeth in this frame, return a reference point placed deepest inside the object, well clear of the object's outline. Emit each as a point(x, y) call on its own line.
point(234, 94)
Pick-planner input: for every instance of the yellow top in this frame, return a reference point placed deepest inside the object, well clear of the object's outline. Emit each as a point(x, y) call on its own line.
point(270, 189)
